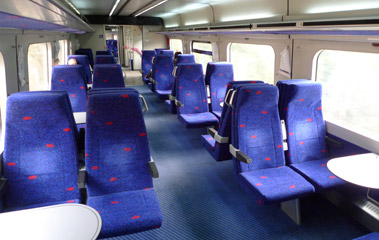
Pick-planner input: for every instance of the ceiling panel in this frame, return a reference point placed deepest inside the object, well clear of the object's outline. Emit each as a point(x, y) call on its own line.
point(93, 7)
point(133, 6)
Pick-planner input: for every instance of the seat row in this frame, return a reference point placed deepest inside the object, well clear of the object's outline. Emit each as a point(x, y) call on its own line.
point(41, 161)
point(257, 139)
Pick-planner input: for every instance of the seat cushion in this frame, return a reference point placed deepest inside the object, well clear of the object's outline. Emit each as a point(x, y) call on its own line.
point(219, 152)
point(163, 94)
point(171, 106)
point(275, 184)
point(318, 174)
point(371, 236)
point(198, 120)
point(40, 205)
point(127, 212)
point(217, 114)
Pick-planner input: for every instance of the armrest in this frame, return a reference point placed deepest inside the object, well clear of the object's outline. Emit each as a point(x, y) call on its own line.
point(172, 98)
point(153, 169)
point(240, 156)
point(82, 176)
point(333, 143)
point(145, 107)
point(178, 103)
point(217, 138)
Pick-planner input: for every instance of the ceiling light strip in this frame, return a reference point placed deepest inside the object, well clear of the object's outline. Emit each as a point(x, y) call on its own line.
point(114, 7)
point(148, 9)
point(72, 6)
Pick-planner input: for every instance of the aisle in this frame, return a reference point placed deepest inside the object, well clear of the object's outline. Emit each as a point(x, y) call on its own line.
point(199, 198)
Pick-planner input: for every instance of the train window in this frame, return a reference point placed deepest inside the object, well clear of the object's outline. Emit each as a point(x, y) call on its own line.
point(252, 62)
point(61, 52)
point(350, 96)
point(202, 52)
point(38, 55)
point(176, 45)
point(3, 98)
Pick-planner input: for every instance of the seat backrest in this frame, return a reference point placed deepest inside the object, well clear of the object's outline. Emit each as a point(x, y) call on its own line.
point(117, 149)
point(304, 122)
point(256, 127)
point(40, 152)
point(108, 76)
point(83, 60)
point(218, 76)
point(158, 50)
point(105, 59)
point(167, 52)
point(185, 58)
point(190, 89)
point(164, 65)
point(71, 78)
point(147, 56)
point(107, 52)
point(87, 52)
point(282, 89)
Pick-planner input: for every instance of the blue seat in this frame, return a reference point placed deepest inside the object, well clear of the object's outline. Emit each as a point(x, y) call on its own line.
point(307, 151)
point(147, 66)
point(43, 170)
point(371, 236)
point(185, 58)
point(119, 184)
point(105, 59)
point(191, 98)
point(88, 53)
point(106, 52)
point(217, 142)
point(218, 75)
point(83, 60)
point(71, 78)
point(108, 76)
point(163, 78)
point(167, 52)
point(257, 148)
point(158, 50)
point(282, 89)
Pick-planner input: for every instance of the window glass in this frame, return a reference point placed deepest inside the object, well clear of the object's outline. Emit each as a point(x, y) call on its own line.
point(62, 52)
point(350, 90)
point(252, 62)
point(176, 45)
point(203, 53)
point(38, 71)
point(3, 99)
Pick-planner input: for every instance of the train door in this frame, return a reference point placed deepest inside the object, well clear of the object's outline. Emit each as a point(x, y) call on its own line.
point(132, 36)
point(7, 61)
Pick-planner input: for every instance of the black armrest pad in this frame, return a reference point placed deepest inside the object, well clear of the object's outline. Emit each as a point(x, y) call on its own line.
point(82, 177)
point(333, 142)
point(153, 169)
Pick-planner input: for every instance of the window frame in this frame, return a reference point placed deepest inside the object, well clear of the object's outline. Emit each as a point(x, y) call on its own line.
point(48, 63)
point(194, 50)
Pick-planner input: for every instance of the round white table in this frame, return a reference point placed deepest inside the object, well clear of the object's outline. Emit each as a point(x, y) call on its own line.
point(362, 169)
point(58, 222)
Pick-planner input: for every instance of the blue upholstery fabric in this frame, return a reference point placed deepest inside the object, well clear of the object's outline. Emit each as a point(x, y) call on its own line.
point(256, 132)
point(167, 52)
point(191, 91)
point(108, 76)
point(171, 106)
point(117, 156)
point(371, 236)
point(83, 60)
point(88, 53)
point(158, 50)
point(147, 57)
point(282, 90)
point(218, 76)
point(374, 194)
point(40, 152)
point(103, 53)
point(127, 212)
point(164, 65)
point(306, 132)
point(220, 151)
point(318, 174)
point(105, 59)
point(112, 46)
point(71, 78)
point(185, 58)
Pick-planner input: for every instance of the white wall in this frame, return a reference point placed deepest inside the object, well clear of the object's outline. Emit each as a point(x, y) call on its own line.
point(153, 40)
point(92, 40)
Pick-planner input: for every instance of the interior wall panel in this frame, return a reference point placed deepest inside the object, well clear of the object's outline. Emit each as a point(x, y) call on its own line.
point(94, 40)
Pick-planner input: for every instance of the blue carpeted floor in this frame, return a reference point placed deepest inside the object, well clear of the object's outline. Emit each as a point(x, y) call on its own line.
point(199, 198)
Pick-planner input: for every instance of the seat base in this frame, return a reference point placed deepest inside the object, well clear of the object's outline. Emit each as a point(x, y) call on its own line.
point(40, 205)
point(318, 174)
point(217, 114)
point(272, 185)
point(127, 212)
point(171, 106)
point(220, 152)
point(198, 120)
point(162, 94)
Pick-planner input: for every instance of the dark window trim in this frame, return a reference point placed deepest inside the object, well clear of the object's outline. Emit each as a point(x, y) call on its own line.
point(201, 51)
